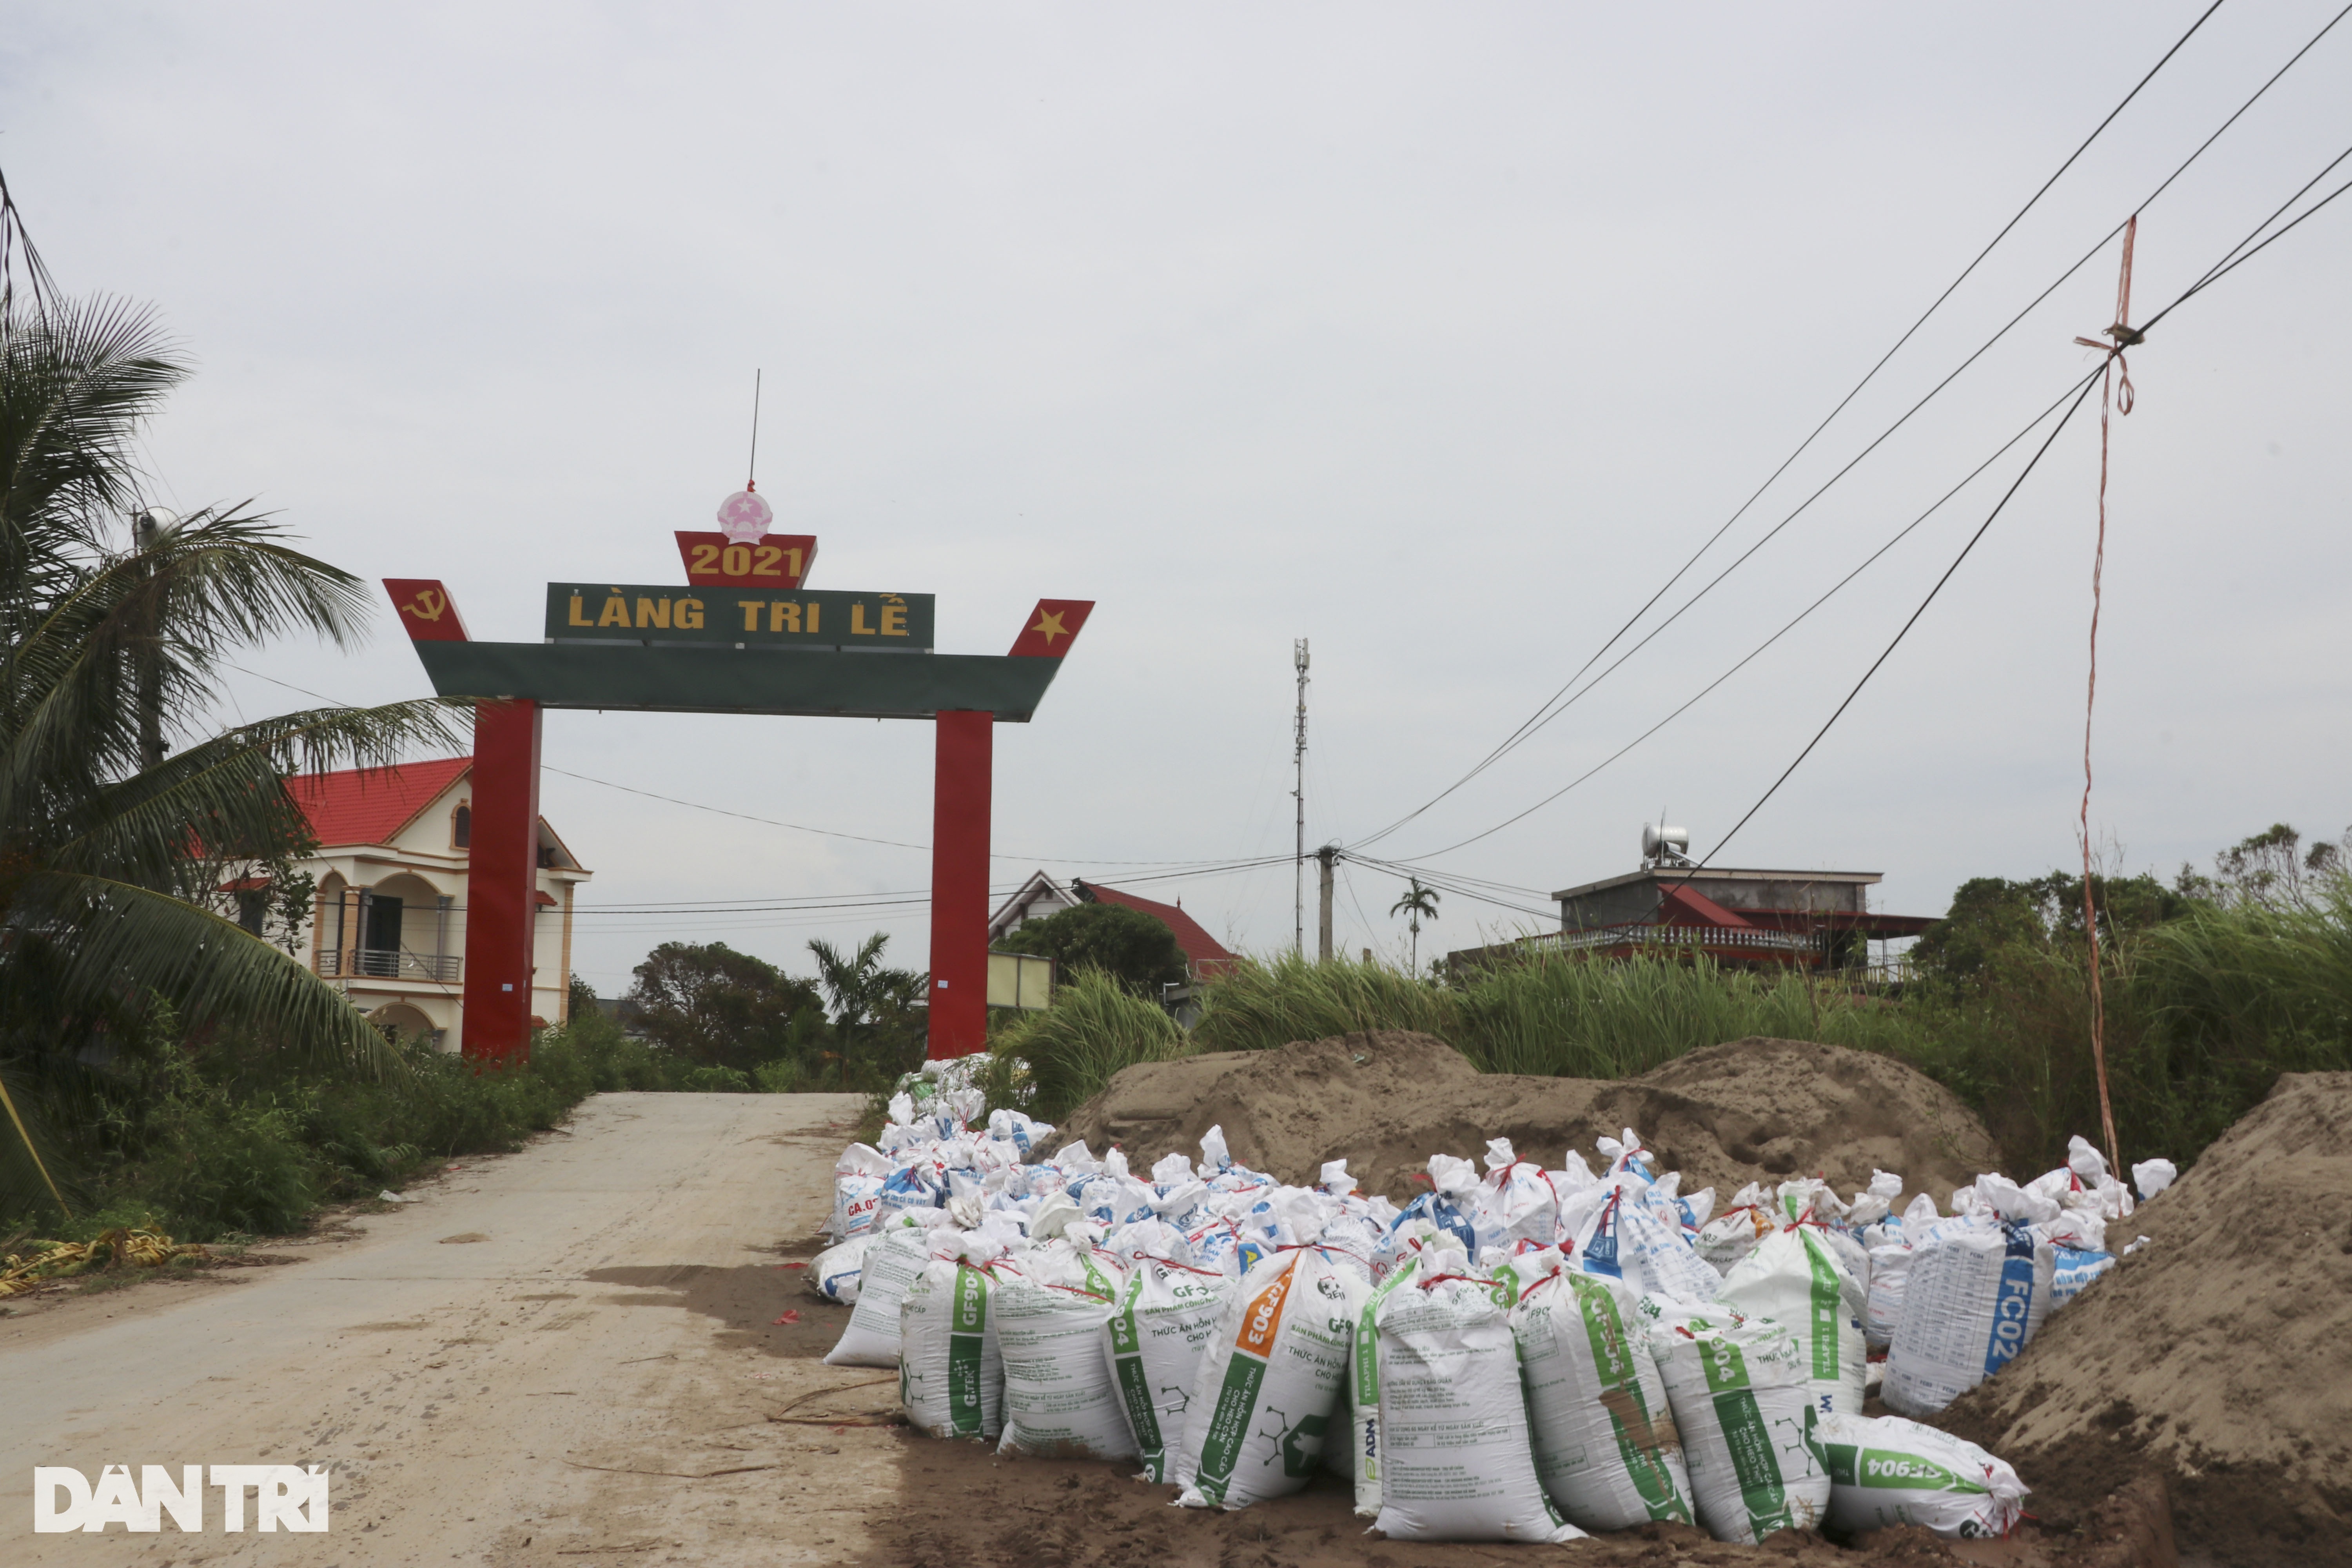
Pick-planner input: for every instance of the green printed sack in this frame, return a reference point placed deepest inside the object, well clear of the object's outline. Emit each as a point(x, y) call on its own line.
point(1364, 1388)
point(1742, 1399)
point(1796, 1278)
point(1153, 1343)
point(1605, 1445)
point(1273, 1383)
point(1888, 1471)
point(950, 1373)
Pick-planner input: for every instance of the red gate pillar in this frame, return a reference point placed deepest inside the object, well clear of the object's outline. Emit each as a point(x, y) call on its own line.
point(502, 873)
point(960, 807)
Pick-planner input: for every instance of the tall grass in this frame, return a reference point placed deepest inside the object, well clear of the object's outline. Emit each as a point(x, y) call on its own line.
point(1552, 1016)
point(2203, 1013)
point(1255, 1006)
point(1095, 1028)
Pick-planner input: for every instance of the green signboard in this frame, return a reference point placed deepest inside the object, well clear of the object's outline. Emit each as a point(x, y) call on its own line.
point(834, 618)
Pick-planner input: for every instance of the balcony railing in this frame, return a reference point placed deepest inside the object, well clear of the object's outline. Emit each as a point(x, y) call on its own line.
point(390, 963)
point(1715, 939)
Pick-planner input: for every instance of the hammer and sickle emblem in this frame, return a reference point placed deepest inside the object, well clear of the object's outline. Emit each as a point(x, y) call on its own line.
point(428, 605)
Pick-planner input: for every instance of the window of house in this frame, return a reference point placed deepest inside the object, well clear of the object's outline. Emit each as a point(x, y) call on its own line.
point(461, 827)
point(252, 908)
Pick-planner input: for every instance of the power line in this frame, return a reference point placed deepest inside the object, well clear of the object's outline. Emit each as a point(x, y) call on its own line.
point(1907, 625)
point(2212, 275)
point(1444, 883)
point(1755, 652)
point(747, 817)
point(1552, 706)
point(2237, 255)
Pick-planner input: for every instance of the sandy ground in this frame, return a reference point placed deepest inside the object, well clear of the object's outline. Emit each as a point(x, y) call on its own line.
point(564, 1355)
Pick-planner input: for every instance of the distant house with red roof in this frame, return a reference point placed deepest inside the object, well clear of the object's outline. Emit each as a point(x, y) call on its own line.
point(389, 924)
point(1041, 895)
point(1740, 917)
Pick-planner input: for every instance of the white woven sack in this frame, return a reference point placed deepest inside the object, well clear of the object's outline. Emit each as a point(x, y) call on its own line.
point(950, 1373)
point(834, 1273)
point(1888, 1471)
point(1625, 1240)
point(1605, 1446)
point(1890, 1272)
point(1271, 1384)
point(871, 1338)
point(1059, 1398)
point(1743, 1404)
point(857, 1178)
point(1153, 1343)
point(1796, 1278)
point(1727, 1238)
point(1456, 1464)
point(1973, 1300)
point(2072, 1269)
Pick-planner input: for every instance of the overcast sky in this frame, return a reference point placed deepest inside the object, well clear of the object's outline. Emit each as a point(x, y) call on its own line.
point(1439, 335)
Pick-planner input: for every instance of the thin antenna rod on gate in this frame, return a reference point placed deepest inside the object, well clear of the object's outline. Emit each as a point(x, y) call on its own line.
point(752, 481)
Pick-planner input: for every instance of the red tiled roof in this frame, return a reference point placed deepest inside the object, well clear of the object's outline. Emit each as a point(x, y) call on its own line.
point(1204, 951)
point(369, 805)
point(1684, 905)
point(544, 899)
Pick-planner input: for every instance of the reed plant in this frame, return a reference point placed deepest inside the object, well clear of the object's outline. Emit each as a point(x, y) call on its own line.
point(1096, 1027)
point(2203, 1011)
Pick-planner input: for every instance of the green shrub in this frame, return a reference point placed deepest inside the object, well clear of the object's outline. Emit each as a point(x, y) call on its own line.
point(782, 1076)
point(717, 1080)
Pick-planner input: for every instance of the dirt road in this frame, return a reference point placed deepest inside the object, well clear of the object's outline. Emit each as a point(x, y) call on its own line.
point(563, 1355)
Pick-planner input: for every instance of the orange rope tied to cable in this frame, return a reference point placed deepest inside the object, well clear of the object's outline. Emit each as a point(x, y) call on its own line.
point(2120, 337)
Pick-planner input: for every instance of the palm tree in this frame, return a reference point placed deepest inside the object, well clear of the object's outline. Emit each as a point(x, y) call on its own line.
point(109, 843)
point(1417, 902)
point(862, 992)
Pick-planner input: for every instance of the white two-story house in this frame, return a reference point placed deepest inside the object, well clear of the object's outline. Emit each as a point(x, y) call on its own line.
point(389, 924)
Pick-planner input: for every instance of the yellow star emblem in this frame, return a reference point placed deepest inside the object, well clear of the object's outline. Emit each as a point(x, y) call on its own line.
point(1049, 622)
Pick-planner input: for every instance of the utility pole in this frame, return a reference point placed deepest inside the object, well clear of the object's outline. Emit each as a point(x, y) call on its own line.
point(1299, 793)
point(1329, 857)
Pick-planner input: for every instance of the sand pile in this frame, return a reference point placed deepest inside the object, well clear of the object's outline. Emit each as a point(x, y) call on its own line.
point(2220, 1356)
point(1754, 1109)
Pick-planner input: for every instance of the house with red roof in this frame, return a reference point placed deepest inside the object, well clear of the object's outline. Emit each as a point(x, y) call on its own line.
point(1742, 918)
point(389, 924)
point(1041, 895)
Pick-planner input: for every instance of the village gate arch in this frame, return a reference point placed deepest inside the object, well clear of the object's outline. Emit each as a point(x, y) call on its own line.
point(743, 635)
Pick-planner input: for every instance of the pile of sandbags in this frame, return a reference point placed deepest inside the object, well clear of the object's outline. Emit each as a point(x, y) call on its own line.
point(1520, 1353)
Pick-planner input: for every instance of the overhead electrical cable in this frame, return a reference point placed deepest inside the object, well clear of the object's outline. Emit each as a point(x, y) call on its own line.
point(1444, 883)
point(1788, 627)
point(2228, 262)
point(767, 821)
point(1553, 705)
point(2237, 255)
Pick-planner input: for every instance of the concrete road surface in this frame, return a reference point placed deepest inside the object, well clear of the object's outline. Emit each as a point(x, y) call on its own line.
point(566, 1355)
